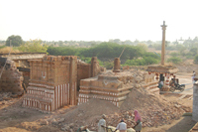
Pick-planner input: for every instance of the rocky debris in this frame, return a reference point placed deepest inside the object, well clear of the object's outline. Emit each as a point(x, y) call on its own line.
point(57, 121)
point(68, 127)
point(44, 122)
point(5, 95)
point(155, 111)
point(32, 126)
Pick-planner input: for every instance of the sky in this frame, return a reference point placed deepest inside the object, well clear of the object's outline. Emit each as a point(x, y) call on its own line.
point(98, 20)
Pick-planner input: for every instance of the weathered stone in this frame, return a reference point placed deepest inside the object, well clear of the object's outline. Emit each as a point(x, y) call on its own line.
point(44, 122)
point(60, 120)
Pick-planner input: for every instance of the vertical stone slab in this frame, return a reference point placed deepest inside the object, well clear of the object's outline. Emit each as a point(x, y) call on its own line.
point(73, 80)
point(195, 103)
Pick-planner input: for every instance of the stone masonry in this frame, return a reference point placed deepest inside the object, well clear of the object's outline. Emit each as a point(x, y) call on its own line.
point(11, 79)
point(112, 86)
point(54, 81)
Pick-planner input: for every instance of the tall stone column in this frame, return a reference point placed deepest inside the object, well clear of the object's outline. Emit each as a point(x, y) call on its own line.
point(163, 43)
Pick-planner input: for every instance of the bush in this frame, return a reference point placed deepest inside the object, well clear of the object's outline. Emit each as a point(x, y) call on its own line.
point(108, 65)
point(146, 60)
point(175, 60)
point(173, 54)
point(196, 59)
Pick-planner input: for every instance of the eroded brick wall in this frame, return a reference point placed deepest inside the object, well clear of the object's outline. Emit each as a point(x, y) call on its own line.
point(53, 83)
point(83, 71)
point(11, 79)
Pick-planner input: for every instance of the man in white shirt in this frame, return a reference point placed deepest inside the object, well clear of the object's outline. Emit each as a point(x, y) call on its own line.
point(102, 124)
point(122, 126)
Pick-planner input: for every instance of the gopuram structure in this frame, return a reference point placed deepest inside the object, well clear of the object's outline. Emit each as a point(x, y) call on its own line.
point(54, 81)
point(163, 72)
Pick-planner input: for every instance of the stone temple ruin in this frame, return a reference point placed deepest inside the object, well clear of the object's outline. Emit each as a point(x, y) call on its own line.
point(54, 81)
point(114, 86)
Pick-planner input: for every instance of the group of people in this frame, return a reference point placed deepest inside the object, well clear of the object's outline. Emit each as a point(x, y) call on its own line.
point(122, 126)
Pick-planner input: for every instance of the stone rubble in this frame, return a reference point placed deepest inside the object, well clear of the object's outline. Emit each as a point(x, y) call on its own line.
point(155, 111)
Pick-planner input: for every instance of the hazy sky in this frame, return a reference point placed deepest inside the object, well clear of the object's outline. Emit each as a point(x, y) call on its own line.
point(98, 19)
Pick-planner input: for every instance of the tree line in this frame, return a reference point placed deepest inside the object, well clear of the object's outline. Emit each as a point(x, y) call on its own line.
point(106, 51)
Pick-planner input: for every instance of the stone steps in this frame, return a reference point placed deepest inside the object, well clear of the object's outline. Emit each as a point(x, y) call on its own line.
point(152, 87)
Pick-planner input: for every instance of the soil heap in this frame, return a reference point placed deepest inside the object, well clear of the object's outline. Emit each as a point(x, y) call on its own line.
point(154, 110)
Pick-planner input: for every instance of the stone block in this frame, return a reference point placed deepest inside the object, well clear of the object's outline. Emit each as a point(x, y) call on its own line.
point(85, 82)
point(94, 83)
point(100, 83)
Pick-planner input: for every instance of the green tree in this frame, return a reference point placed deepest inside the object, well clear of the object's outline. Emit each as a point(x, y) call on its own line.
point(175, 60)
point(33, 46)
point(193, 51)
point(16, 40)
point(196, 59)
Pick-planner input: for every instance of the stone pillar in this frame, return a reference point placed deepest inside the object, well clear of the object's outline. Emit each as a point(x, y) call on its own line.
point(94, 66)
point(195, 103)
point(73, 80)
point(163, 43)
point(116, 65)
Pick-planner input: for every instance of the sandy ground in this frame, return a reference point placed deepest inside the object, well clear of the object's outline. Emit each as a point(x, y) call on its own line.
point(184, 124)
point(14, 118)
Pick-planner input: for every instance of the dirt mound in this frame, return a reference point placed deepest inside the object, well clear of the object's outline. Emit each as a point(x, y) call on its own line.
point(95, 107)
point(141, 98)
point(154, 110)
point(87, 114)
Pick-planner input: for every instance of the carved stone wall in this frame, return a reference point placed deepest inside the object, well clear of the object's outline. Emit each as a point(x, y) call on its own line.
point(112, 86)
point(53, 83)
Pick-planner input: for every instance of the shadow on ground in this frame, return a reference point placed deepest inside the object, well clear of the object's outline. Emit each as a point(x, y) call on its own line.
point(183, 126)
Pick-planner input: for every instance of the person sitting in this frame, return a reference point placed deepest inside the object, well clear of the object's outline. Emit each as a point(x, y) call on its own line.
point(174, 82)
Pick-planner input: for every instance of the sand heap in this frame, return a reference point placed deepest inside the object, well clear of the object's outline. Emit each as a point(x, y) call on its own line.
point(155, 111)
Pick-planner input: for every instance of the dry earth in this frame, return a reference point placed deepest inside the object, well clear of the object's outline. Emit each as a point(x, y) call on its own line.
point(159, 113)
